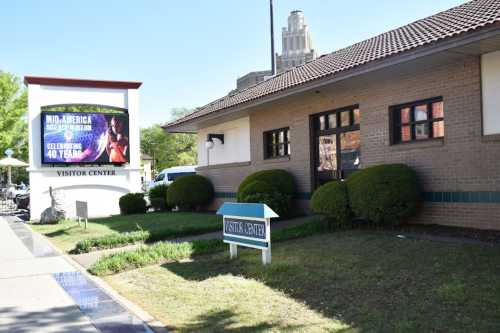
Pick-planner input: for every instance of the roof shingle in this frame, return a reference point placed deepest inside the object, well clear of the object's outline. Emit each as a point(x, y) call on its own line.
point(469, 16)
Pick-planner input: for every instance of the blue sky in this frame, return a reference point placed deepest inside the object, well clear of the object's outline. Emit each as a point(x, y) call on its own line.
point(187, 53)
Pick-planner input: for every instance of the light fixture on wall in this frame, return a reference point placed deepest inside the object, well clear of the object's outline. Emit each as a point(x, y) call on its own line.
point(209, 144)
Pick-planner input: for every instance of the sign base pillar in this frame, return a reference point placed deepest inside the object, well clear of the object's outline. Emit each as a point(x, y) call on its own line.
point(266, 256)
point(233, 251)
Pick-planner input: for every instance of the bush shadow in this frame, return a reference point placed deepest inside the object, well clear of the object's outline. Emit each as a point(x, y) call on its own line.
point(226, 321)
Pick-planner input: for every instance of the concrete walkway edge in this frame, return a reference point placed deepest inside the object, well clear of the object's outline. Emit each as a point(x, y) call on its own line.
point(148, 319)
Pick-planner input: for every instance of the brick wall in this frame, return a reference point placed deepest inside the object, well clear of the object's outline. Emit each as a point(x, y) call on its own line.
point(464, 161)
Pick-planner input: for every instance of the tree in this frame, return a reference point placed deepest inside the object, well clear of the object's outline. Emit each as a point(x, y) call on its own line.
point(169, 149)
point(13, 121)
point(13, 116)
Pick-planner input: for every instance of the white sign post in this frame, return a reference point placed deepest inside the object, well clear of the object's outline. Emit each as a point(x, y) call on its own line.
point(82, 212)
point(249, 225)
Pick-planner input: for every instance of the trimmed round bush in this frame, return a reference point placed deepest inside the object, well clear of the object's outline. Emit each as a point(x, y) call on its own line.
point(132, 203)
point(256, 186)
point(384, 194)
point(281, 180)
point(190, 192)
point(332, 201)
point(260, 192)
point(158, 197)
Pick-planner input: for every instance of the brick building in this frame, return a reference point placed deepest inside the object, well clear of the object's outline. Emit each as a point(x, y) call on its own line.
point(426, 94)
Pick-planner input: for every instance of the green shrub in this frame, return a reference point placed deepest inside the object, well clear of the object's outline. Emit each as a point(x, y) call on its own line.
point(190, 192)
point(332, 201)
point(110, 241)
point(384, 194)
point(132, 203)
point(281, 180)
point(274, 188)
point(260, 192)
point(256, 186)
point(158, 197)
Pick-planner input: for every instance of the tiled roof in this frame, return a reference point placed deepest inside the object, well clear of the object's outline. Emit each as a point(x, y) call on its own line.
point(455, 21)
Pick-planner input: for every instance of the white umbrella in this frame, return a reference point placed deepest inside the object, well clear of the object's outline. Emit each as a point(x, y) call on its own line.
point(10, 162)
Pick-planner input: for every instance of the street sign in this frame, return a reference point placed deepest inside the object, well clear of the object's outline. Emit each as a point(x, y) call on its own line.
point(247, 224)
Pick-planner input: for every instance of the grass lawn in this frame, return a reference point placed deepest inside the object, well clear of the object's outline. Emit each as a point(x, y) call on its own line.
point(351, 281)
point(66, 234)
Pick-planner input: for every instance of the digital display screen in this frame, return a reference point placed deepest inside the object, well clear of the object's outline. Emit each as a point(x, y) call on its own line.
point(85, 138)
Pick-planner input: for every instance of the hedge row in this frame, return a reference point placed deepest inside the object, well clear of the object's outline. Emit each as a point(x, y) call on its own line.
point(384, 194)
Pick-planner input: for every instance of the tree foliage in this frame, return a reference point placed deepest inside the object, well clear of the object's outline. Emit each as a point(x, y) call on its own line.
point(13, 122)
point(13, 116)
point(169, 149)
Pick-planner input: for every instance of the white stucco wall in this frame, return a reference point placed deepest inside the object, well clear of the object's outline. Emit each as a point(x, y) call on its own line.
point(236, 147)
point(490, 73)
point(100, 191)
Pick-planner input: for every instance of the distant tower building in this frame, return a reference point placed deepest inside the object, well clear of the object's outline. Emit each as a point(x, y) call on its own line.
point(296, 43)
point(297, 50)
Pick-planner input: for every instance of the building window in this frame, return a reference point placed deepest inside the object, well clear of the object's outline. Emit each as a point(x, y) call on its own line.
point(277, 143)
point(417, 121)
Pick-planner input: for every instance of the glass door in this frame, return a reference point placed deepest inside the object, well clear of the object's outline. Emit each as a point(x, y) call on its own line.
point(337, 143)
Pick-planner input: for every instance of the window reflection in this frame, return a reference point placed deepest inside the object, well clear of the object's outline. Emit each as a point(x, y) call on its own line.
point(421, 131)
point(327, 148)
point(332, 121)
point(405, 115)
point(438, 129)
point(356, 116)
point(345, 119)
point(350, 143)
point(437, 110)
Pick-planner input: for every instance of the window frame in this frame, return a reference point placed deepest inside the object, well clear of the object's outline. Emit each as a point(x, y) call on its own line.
point(275, 146)
point(393, 126)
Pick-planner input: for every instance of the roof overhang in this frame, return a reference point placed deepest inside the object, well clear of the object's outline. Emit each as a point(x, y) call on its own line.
point(471, 43)
point(73, 82)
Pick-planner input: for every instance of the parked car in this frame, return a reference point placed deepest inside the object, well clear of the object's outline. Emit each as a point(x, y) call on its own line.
point(167, 176)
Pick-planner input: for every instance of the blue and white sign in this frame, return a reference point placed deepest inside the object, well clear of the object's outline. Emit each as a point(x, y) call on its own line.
point(247, 224)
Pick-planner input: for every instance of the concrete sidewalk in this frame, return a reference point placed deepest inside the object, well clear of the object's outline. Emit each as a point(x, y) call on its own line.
point(30, 299)
point(40, 291)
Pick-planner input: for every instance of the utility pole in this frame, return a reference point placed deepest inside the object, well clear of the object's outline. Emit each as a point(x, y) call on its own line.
point(273, 55)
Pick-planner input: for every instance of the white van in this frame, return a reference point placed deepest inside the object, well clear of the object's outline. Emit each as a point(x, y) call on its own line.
point(167, 176)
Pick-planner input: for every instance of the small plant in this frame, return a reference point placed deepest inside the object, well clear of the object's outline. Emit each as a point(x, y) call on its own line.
point(158, 197)
point(384, 194)
point(190, 193)
point(132, 203)
point(332, 201)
